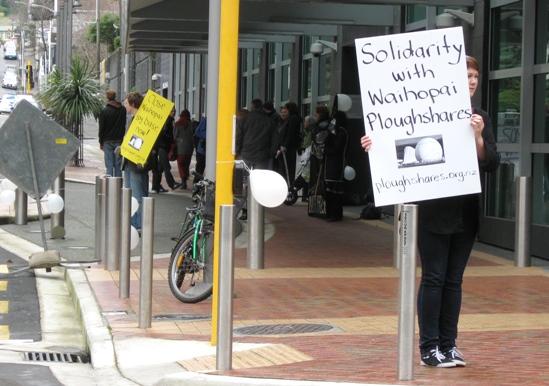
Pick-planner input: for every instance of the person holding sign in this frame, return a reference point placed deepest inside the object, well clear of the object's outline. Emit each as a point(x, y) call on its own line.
point(447, 228)
point(139, 174)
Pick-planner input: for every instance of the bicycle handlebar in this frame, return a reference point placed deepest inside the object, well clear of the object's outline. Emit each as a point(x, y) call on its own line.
point(201, 177)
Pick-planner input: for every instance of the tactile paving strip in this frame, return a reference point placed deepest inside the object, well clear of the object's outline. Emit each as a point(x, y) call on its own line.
point(272, 355)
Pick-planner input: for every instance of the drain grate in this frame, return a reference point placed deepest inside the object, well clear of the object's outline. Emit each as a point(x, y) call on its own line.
point(281, 329)
point(65, 349)
point(55, 357)
point(179, 317)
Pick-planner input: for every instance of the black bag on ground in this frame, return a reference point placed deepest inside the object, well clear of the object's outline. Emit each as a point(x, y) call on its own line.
point(370, 212)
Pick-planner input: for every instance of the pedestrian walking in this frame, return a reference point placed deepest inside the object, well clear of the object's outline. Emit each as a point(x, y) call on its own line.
point(183, 136)
point(162, 146)
point(112, 127)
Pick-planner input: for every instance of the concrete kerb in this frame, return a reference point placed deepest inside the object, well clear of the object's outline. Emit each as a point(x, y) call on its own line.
point(98, 336)
point(190, 378)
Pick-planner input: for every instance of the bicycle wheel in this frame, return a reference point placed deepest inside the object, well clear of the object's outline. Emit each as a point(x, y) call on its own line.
point(191, 279)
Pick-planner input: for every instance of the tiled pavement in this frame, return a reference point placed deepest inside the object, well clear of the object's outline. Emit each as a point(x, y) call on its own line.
point(341, 274)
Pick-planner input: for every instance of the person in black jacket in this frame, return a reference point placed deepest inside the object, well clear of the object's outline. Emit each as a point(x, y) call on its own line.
point(329, 144)
point(161, 163)
point(256, 137)
point(112, 127)
point(447, 229)
point(256, 140)
point(290, 141)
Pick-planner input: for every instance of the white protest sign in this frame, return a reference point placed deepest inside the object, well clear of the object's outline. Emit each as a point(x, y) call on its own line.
point(417, 110)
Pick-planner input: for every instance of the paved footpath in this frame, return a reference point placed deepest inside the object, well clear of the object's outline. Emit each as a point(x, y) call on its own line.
point(333, 283)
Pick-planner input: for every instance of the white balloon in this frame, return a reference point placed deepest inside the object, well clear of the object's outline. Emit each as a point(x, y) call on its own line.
point(268, 188)
point(134, 237)
point(7, 185)
point(349, 173)
point(7, 197)
point(135, 205)
point(55, 203)
point(344, 102)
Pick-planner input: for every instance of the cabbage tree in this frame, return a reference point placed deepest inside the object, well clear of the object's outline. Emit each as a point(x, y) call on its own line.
point(71, 98)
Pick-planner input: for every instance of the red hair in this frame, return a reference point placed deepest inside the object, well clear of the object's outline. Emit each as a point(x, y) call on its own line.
point(184, 118)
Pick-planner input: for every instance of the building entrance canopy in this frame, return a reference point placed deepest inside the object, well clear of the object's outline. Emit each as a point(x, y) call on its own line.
point(181, 26)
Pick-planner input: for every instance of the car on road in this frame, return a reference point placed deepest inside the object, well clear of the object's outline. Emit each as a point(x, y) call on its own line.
point(6, 104)
point(10, 69)
point(29, 98)
point(10, 81)
point(10, 53)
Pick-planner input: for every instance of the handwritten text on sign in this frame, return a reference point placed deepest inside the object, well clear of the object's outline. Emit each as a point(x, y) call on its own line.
point(145, 127)
point(417, 110)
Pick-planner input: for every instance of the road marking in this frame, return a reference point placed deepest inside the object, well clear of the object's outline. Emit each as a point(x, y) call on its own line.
point(4, 304)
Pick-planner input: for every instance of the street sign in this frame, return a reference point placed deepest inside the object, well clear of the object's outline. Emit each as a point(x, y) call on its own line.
point(51, 147)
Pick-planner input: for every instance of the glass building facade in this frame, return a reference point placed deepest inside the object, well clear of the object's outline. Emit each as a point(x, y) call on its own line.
point(514, 89)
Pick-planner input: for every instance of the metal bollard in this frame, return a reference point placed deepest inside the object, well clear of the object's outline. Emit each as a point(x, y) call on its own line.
point(100, 218)
point(224, 349)
point(523, 223)
point(124, 273)
point(396, 236)
point(406, 293)
point(21, 206)
point(112, 214)
point(146, 267)
point(256, 233)
point(57, 220)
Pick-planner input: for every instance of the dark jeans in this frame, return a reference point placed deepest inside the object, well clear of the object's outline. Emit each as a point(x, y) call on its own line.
point(443, 261)
point(162, 165)
point(200, 163)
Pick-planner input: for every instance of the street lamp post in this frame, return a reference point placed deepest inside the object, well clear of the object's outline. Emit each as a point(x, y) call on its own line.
point(97, 29)
point(22, 35)
point(47, 62)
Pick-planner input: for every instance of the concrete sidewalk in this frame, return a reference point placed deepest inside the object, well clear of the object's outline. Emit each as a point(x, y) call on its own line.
point(324, 311)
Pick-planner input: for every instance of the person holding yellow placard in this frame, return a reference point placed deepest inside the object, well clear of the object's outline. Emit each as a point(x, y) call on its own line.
point(139, 174)
point(149, 116)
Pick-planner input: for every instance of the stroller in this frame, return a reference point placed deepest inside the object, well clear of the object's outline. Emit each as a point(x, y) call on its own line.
point(299, 183)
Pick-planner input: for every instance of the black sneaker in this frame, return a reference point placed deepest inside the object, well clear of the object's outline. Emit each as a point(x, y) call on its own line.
point(435, 358)
point(455, 356)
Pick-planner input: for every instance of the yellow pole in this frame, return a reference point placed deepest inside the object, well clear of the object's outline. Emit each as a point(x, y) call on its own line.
point(28, 77)
point(228, 67)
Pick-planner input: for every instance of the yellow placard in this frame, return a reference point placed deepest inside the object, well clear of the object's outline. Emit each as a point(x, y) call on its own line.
point(60, 141)
point(145, 127)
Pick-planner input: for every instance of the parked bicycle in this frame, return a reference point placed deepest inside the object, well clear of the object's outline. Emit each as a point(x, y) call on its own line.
point(190, 272)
